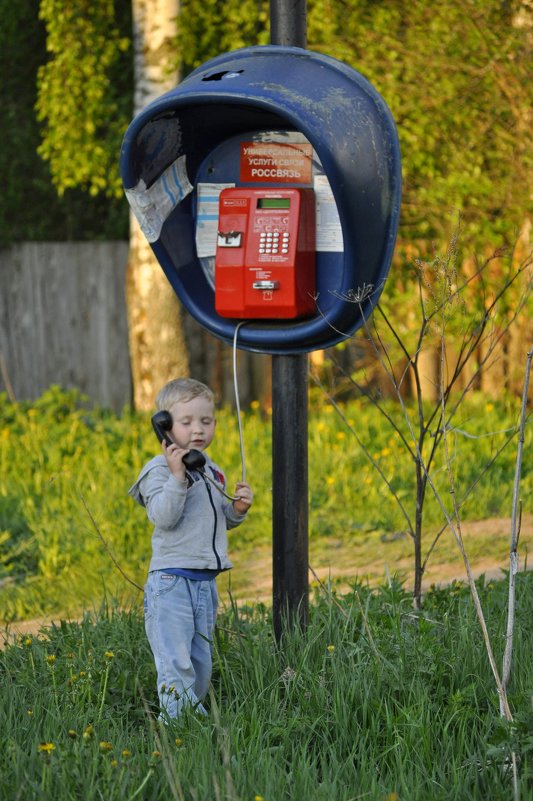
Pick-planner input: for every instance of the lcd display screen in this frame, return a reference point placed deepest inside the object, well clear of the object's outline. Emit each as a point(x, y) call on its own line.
point(274, 203)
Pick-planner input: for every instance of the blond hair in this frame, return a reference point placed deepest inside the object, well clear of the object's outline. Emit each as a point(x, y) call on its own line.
point(182, 389)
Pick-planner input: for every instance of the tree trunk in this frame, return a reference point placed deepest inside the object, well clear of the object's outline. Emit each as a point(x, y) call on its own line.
point(157, 345)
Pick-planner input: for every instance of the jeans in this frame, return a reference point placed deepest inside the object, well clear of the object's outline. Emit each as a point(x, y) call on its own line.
point(179, 618)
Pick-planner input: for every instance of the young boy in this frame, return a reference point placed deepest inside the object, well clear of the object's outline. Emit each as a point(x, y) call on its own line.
point(189, 547)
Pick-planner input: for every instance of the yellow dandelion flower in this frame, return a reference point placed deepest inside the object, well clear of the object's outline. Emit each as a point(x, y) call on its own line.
point(51, 658)
point(82, 673)
point(28, 641)
point(341, 435)
point(45, 748)
point(105, 746)
point(88, 732)
point(109, 654)
point(489, 407)
point(330, 480)
point(330, 648)
point(255, 404)
point(126, 753)
point(385, 451)
point(156, 754)
point(72, 734)
point(392, 797)
point(258, 798)
point(179, 741)
point(114, 763)
point(29, 712)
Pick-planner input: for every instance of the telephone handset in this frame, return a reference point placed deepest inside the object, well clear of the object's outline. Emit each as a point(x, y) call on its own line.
point(194, 460)
point(162, 423)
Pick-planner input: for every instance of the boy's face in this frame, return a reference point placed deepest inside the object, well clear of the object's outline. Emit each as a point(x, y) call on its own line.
point(193, 423)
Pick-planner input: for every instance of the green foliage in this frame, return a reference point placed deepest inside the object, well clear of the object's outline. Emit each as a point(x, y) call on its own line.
point(59, 459)
point(207, 29)
point(456, 78)
point(86, 122)
point(30, 208)
point(372, 701)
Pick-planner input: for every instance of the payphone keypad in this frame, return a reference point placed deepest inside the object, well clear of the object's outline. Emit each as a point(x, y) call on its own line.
point(274, 242)
point(268, 270)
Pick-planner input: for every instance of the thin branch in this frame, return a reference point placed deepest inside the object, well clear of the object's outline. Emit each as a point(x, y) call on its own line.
point(367, 628)
point(515, 530)
point(367, 394)
point(364, 449)
point(466, 495)
point(456, 530)
point(329, 594)
point(5, 375)
point(107, 548)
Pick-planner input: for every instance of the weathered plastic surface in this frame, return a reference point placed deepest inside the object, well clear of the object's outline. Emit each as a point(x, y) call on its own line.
point(168, 146)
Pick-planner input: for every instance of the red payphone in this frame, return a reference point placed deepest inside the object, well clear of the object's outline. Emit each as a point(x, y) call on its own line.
point(265, 254)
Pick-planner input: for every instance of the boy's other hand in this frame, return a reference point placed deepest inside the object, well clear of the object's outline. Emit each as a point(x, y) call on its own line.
point(244, 497)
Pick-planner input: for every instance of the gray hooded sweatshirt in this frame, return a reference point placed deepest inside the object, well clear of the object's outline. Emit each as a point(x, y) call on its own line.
point(190, 518)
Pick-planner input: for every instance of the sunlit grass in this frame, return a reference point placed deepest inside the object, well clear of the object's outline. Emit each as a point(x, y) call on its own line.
point(57, 458)
point(371, 702)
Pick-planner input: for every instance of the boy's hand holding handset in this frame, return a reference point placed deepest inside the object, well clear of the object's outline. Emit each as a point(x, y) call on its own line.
point(174, 456)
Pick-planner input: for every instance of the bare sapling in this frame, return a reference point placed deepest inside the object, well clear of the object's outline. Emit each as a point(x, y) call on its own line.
point(475, 322)
point(441, 296)
point(454, 524)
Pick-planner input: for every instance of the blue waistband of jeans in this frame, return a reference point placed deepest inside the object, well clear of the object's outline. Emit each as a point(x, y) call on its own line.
point(191, 573)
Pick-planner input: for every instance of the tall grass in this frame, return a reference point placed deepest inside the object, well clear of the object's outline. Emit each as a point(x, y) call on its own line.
point(57, 456)
point(372, 703)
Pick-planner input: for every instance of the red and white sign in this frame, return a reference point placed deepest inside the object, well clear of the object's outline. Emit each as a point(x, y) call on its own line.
point(277, 163)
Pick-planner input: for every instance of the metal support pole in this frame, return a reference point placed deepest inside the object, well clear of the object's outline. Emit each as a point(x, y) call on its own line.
point(288, 26)
point(288, 22)
point(290, 550)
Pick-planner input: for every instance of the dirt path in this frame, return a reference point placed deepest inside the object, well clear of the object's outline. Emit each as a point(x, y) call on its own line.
point(444, 568)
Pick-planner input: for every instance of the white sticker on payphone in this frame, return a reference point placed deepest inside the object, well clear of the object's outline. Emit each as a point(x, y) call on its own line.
point(207, 218)
point(328, 225)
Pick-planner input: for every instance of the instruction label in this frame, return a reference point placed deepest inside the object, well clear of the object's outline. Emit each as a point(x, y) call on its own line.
point(328, 225)
point(207, 218)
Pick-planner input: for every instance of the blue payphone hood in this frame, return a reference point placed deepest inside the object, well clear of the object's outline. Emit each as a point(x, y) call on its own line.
point(273, 88)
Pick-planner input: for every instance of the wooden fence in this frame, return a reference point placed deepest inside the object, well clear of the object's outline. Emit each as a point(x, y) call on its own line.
point(63, 320)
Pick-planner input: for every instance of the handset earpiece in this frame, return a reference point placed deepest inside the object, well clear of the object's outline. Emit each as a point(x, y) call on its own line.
point(162, 423)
